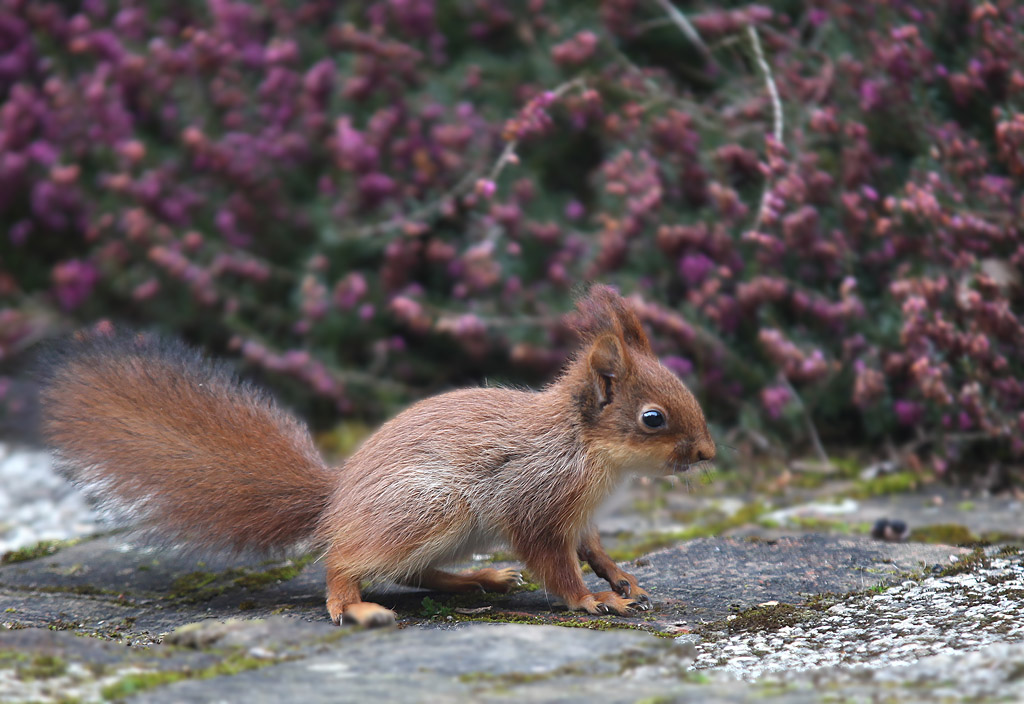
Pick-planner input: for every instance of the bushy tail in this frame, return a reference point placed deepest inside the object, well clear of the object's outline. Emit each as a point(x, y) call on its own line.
point(179, 441)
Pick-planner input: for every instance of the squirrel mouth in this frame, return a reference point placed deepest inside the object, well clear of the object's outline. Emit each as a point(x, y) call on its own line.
point(679, 467)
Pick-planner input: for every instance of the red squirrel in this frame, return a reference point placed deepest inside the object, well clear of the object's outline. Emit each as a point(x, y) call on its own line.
point(214, 462)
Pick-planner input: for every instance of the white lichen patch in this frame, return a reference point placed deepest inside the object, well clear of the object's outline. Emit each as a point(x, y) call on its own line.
point(951, 614)
point(38, 504)
point(78, 683)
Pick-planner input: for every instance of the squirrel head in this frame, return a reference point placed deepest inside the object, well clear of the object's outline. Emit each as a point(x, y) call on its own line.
point(635, 413)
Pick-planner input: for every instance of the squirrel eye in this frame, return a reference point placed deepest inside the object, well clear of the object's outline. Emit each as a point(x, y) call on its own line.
point(653, 419)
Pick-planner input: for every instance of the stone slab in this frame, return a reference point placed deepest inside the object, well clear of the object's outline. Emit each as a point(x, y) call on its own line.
point(115, 588)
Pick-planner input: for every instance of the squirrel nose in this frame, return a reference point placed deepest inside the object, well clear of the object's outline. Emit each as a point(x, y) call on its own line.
point(704, 450)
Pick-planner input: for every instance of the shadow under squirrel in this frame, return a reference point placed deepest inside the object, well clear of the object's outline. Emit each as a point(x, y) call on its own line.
point(197, 455)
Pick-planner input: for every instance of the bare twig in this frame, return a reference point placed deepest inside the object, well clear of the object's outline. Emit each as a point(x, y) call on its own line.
point(766, 72)
point(812, 431)
point(684, 24)
point(777, 119)
point(461, 188)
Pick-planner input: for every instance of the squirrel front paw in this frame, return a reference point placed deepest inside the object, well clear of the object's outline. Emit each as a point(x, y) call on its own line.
point(611, 603)
point(630, 589)
point(362, 613)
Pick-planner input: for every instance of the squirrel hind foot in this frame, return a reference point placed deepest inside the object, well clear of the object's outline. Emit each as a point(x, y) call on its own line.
point(601, 603)
point(365, 614)
point(497, 580)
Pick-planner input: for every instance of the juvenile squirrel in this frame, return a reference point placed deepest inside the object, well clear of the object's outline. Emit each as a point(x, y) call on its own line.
point(213, 462)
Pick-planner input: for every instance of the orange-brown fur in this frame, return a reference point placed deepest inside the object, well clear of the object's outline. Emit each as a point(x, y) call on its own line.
point(215, 462)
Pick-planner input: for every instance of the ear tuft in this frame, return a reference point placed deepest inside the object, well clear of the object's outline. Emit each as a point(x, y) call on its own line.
point(605, 312)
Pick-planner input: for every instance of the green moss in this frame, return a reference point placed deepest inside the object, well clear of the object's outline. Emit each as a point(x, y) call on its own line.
point(758, 619)
point(967, 563)
point(81, 589)
point(895, 483)
point(829, 525)
point(201, 586)
point(283, 573)
point(62, 625)
point(140, 682)
point(188, 585)
point(945, 534)
point(41, 667)
point(33, 552)
point(593, 624)
point(132, 684)
point(747, 514)
point(512, 679)
point(10, 658)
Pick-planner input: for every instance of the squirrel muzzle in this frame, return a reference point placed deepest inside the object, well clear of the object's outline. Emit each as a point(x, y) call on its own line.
point(690, 452)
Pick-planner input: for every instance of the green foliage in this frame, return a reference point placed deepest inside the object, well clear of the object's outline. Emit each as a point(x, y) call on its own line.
point(362, 205)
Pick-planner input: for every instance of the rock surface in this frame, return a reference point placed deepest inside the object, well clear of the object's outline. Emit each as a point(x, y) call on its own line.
point(766, 611)
point(728, 609)
point(112, 587)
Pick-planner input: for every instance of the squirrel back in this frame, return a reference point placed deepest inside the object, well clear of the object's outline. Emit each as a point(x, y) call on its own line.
point(151, 426)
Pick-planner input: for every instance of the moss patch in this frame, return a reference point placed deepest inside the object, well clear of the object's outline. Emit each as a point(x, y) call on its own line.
point(829, 525)
point(10, 658)
point(634, 549)
point(512, 679)
point(34, 552)
point(41, 667)
point(895, 483)
point(967, 563)
point(202, 586)
point(945, 534)
point(759, 619)
point(593, 624)
point(141, 681)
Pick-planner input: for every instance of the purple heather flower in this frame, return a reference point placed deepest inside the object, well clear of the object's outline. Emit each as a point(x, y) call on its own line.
point(73, 281)
point(574, 210)
point(774, 399)
point(694, 268)
point(485, 188)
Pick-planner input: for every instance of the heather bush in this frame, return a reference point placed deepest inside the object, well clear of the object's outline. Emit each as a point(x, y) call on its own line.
point(815, 206)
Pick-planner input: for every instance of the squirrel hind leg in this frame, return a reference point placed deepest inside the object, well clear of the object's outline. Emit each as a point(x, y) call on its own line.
point(488, 579)
point(345, 604)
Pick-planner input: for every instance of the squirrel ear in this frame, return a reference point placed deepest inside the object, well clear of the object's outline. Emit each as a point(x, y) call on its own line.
point(607, 360)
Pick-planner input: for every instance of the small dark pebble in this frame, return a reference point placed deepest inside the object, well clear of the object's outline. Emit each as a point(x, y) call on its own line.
point(890, 531)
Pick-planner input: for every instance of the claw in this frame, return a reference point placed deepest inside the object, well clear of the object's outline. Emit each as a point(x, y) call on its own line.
point(603, 608)
point(624, 587)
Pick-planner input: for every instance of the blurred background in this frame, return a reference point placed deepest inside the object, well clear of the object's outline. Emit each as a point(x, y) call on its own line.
point(815, 207)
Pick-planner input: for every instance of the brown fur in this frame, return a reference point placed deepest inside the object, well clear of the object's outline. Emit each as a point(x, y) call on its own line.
point(180, 442)
point(216, 462)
